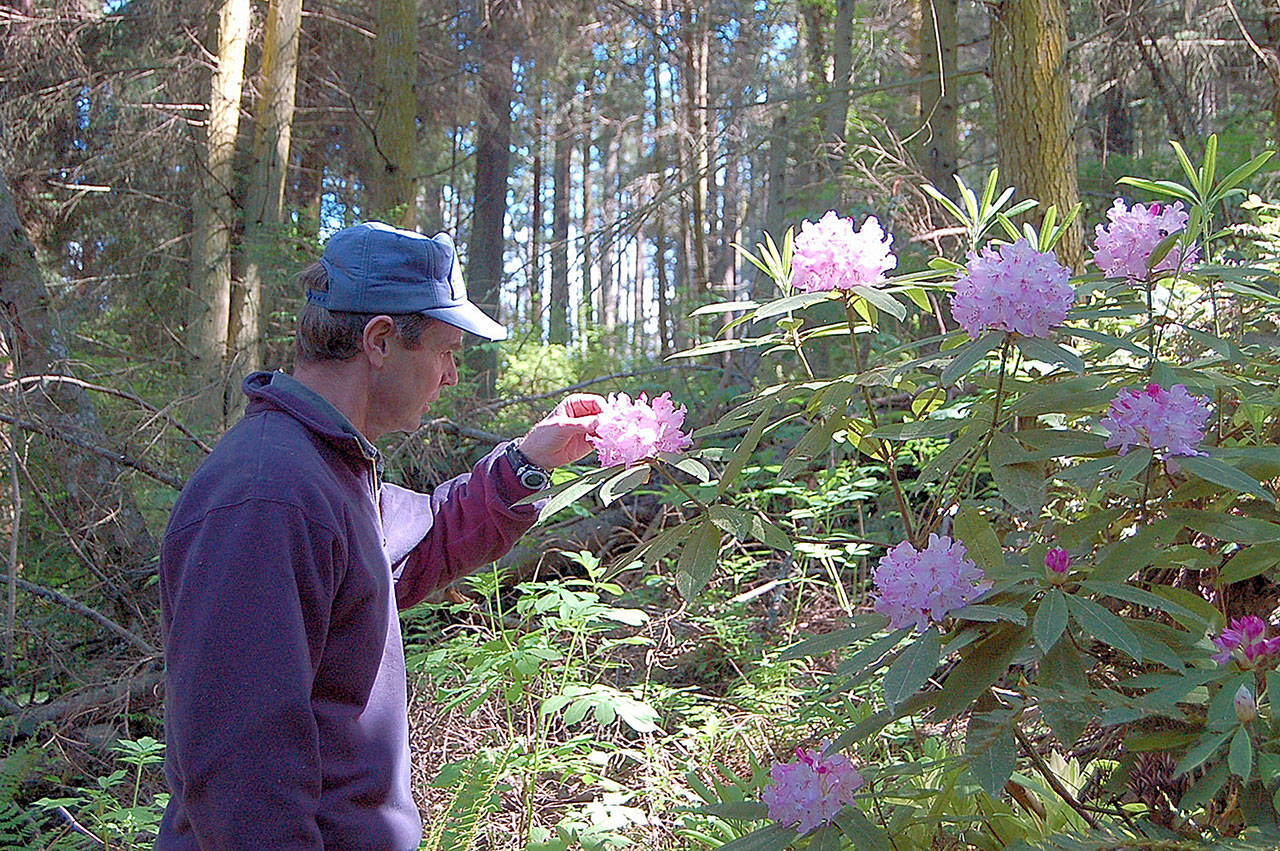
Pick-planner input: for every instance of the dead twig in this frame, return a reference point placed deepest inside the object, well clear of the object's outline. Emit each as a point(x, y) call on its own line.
point(74, 605)
point(93, 449)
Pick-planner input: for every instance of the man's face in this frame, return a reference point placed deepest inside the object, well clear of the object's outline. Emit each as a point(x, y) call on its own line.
point(411, 379)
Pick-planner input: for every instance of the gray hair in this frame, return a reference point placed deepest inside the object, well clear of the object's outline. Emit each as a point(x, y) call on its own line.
point(325, 335)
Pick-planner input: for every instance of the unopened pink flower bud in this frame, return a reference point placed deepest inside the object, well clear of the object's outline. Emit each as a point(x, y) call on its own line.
point(1057, 560)
point(1246, 705)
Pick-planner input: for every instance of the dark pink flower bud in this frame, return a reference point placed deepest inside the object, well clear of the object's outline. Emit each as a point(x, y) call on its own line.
point(1057, 560)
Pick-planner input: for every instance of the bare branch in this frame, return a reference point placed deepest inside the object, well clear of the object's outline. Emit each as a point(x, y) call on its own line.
point(74, 605)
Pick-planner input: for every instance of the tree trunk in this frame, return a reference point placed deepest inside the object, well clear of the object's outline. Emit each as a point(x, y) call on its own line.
point(610, 242)
point(639, 345)
point(558, 326)
point(493, 165)
point(99, 506)
point(1032, 101)
point(696, 37)
point(273, 128)
point(660, 285)
point(1270, 55)
point(534, 312)
point(837, 111)
point(939, 100)
point(393, 173)
point(215, 215)
point(586, 305)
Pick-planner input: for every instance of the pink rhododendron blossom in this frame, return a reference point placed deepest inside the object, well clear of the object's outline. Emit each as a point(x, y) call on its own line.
point(1245, 641)
point(812, 790)
point(1123, 248)
point(915, 585)
point(831, 255)
point(628, 431)
point(1012, 288)
point(1057, 560)
point(1171, 421)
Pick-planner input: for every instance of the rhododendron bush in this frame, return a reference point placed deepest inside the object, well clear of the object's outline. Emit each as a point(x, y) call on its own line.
point(1079, 466)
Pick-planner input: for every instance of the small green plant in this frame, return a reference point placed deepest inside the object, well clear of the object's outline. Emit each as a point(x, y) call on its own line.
point(113, 812)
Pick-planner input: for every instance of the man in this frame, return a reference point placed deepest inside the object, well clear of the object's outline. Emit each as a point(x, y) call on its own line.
point(286, 558)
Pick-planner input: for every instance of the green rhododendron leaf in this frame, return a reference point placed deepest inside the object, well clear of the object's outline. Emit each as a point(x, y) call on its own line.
point(864, 835)
point(980, 666)
point(1249, 562)
point(623, 483)
point(912, 669)
point(992, 752)
point(1208, 745)
point(1050, 619)
point(775, 837)
point(979, 538)
point(1104, 626)
point(698, 559)
point(1240, 755)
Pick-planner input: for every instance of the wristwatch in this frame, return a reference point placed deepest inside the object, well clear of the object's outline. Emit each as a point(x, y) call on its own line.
point(530, 474)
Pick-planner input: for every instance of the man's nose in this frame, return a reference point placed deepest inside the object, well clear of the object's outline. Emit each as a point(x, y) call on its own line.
point(450, 376)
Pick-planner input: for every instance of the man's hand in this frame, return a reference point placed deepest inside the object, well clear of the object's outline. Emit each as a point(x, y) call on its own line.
point(561, 437)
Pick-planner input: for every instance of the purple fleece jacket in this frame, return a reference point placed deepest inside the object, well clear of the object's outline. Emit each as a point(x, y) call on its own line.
point(285, 704)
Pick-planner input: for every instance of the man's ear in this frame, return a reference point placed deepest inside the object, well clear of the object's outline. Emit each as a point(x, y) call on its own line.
point(378, 332)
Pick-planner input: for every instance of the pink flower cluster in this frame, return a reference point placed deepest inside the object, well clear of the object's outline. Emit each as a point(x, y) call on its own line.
point(1245, 641)
point(915, 585)
point(628, 431)
point(1123, 248)
point(812, 790)
point(1171, 421)
point(831, 255)
point(1012, 288)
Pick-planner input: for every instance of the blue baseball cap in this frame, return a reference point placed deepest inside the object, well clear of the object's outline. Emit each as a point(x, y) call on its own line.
point(376, 268)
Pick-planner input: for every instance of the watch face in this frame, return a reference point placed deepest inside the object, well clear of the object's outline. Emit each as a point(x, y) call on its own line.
point(534, 479)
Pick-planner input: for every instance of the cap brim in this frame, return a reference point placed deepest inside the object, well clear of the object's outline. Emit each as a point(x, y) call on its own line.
point(469, 318)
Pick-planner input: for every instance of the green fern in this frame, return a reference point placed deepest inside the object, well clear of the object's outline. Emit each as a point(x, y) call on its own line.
point(475, 798)
point(17, 828)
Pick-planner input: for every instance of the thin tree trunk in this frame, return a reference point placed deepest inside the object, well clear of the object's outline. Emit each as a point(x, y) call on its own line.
point(534, 314)
point(939, 100)
point(610, 243)
point(837, 111)
point(393, 172)
point(264, 200)
point(696, 37)
point(558, 326)
point(215, 214)
point(587, 315)
point(639, 285)
point(493, 166)
point(1032, 100)
point(660, 235)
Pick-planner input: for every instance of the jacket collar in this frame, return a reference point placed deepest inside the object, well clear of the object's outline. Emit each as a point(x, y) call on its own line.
point(284, 392)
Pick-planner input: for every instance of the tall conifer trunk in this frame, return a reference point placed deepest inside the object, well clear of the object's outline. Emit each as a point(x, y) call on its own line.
point(394, 165)
point(215, 216)
point(939, 100)
point(558, 325)
point(493, 165)
point(264, 193)
point(1033, 109)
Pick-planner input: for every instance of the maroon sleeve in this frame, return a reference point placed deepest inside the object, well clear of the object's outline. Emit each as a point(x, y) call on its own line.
point(463, 524)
